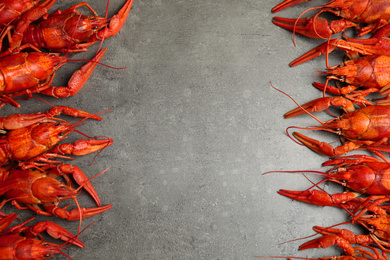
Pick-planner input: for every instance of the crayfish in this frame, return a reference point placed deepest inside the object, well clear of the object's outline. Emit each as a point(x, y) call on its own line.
point(25, 73)
point(360, 173)
point(369, 72)
point(42, 134)
point(20, 242)
point(377, 44)
point(374, 13)
point(360, 254)
point(366, 128)
point(34, 188)
point(363, 175)
point(66, 31)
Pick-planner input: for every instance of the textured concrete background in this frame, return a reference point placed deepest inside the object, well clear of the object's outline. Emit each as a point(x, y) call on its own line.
point(195, 124)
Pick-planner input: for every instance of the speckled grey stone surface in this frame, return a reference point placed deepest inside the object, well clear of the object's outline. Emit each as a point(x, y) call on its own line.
point(195, 124)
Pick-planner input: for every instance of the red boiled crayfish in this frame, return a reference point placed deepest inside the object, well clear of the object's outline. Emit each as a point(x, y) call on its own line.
point(374, 13)
point(366, 128)
point(31, 143)
point(360, 254)
point(377, 224)
point(344, 238)
point(359, 173)
point(34, 188)
point(377, 44)
point(17, 121)
point(362, 174)
point(20, 242)
point(68, 31)
point(25, 73)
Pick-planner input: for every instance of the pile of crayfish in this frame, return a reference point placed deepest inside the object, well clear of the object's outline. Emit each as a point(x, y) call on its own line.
point(360, 88)
point(34, 172)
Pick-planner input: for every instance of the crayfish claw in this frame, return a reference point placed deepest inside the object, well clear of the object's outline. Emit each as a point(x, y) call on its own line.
point(76, 214)
point(6, 221)
point(79, 177)
point(320, 104)
point(321, 198)
point(323, 147)
point(315, 197)
point(57, 232)
point(55, 111)
point(82, 146)
point(321, 49)
point(77, 81)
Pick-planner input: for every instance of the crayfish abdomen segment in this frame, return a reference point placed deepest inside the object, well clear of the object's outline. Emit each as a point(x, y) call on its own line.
point(382, 70)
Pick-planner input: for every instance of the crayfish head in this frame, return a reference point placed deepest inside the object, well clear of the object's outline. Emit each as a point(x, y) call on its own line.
point(48, 189)
point(359, 178)
point(49, 134)
point(336, 125)
point(352, 125)
point(82, 27)
point(31, 248)
point(28, 142)
point(376, 225)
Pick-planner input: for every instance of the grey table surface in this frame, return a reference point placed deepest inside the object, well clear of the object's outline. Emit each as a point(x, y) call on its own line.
point(195, 123)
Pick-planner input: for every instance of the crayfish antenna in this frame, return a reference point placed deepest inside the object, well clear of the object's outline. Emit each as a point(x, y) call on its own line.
point(62, 253)
point(296, 23)
point(66, 244)
point(81, 121)
point(105, 26)
point(80, 214)
point(294, 172)
point(307, 112)
point(100, 63)
point(86, 181)
point(288, 257)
